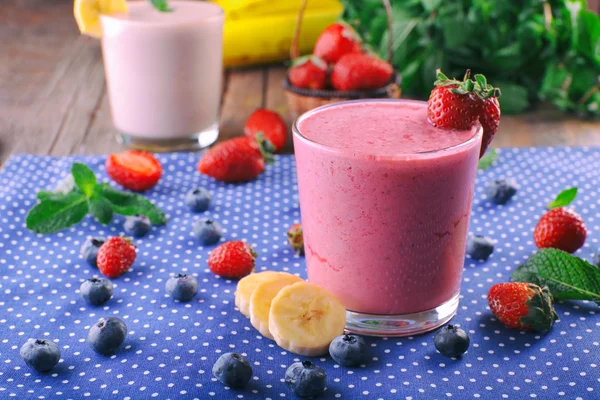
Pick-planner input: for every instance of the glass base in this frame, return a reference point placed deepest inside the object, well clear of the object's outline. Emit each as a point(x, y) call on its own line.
point(196, 141)
point(401, 325)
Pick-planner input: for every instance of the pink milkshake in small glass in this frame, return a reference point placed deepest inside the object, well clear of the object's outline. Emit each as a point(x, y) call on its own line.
point(164, 73)
point(385, 199)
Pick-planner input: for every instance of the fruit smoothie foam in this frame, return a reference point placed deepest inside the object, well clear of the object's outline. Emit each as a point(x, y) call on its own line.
point(385, 201)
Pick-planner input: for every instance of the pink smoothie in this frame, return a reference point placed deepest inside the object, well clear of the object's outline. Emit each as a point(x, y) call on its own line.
point(385, 200)
point(163, 69)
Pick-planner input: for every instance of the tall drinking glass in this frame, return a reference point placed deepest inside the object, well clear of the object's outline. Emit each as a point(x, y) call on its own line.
point(385, 199)
point(164, 73)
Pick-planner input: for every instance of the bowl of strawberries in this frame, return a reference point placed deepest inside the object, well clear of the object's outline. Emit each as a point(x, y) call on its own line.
point(338, 69)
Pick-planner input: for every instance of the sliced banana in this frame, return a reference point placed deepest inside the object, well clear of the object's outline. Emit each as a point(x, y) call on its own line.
point(260, 302)
point(246, 286)
point(305, 318)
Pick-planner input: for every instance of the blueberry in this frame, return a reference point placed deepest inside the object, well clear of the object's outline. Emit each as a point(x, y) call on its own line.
point(208, 232)
point(137, 225)
point(596, 261)
point(305, 379)
point(107, 335)
point(40, 354)
point(480, 247)
point(502, 190)
point(198, 199)
point(182, 287)
point(96, 291)
point(451, 341)
point(348, 350)
point(232, 370)
point(89, 250)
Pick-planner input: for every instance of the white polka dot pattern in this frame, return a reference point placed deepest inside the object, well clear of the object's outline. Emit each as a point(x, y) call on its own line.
point(171, 347)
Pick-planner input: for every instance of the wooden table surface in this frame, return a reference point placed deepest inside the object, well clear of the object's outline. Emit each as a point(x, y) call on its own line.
point(53, 97)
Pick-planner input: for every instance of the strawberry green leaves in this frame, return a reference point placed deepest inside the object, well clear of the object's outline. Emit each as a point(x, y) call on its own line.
point(56, 211)
point(564, 198)
point(568, 277)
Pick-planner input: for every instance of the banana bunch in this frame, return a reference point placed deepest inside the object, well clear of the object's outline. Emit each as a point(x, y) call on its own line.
point(261, 31)
point(301, 317)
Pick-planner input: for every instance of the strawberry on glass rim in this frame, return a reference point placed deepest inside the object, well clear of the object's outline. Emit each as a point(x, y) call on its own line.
point(455, 104)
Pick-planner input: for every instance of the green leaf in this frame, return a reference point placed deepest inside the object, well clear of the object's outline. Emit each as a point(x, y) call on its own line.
point(126, 203)
point(161, 5)
point(515, 98)
point(84, 178)
point(568, 277)
point(431, 5)
point(488, 159)
point(100, 208)
point(564, 198)
point(57, 211)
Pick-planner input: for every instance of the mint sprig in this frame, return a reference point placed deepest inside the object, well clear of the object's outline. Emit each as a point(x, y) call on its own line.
point(564, 198)
point(161, 5)
point(56, 211)
point(568, 277)
point(488, 159)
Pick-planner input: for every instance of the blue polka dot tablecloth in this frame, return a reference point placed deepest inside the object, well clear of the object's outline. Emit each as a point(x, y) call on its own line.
point(171, 347)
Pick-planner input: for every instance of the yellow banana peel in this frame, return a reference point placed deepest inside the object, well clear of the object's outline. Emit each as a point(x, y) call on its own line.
point(261, 31)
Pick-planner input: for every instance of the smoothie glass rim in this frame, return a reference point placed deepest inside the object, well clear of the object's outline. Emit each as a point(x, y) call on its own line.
point(298, 134)
point(219, 15)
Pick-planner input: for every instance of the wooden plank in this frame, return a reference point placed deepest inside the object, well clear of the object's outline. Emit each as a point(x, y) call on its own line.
point(101, 137)
point(244, 94)
point(275, 100)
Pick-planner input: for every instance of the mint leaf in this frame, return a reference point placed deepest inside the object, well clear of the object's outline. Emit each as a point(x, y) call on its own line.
point(126, 203)
point(57, 212)
point(161, 5)
point(564, 198)
point(568, 277)
point(84, 178)
point(488, 159)
point(100, 208)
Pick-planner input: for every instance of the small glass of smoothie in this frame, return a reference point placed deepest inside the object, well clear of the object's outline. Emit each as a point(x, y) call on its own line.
point(164, 74)
point(385, 199)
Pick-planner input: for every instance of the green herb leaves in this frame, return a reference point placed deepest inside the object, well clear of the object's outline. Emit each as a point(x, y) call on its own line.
point(57, 211)
point(564, 198)
point(488, 159)
point(567, 276)
point(161, 5)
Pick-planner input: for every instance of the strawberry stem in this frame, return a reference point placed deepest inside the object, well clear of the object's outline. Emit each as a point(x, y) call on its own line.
point(266, 148)
point(479, 86)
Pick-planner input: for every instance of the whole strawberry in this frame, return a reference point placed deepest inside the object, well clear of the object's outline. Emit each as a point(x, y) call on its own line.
point(236, 160)
point(560, 228)
point(270, 124)
point(455, 104)
point(308, 72)
point(335, 41)
point(115, 256)
point(358, 71)
point(522, 305)
point(134, 169)
point(233, 260)
point(296, 238)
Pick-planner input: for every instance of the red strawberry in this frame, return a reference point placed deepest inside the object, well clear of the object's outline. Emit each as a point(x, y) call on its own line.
point(335, 41)
point(232, 260)
point(296, 238)
point(357, 71)
point(521, 305)
point(560, 228)
point(308, 72)
point(135, 170)
point(115, 256)
point(236, 160)
point(459, 105)
point(270, 124)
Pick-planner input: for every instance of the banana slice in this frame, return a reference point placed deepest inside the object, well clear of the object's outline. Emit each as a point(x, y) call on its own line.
point(246, 286)
point(305, 318)
point(260, 302)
